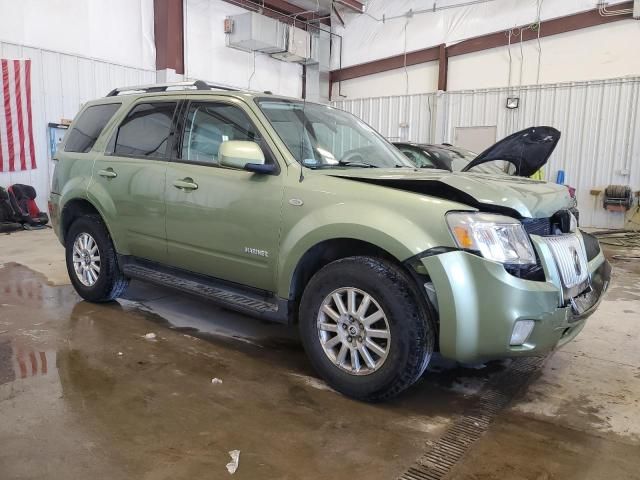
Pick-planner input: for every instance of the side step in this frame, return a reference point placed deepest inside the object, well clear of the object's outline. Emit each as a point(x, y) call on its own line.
point(217, 291)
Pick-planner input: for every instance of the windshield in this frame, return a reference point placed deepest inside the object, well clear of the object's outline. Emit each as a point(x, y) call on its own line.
point(454, 159)
point(323, 137)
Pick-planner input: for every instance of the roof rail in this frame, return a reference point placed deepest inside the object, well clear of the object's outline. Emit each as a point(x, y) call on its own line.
point(164, 87)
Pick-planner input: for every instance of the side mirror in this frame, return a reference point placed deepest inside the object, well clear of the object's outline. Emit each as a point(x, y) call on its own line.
point(239, 153)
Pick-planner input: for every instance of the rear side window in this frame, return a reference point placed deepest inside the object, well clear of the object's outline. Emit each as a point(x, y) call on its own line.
point(88, 127)
point(145, 130)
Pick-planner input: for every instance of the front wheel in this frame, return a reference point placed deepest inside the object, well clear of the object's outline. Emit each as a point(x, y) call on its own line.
point(364, 328)
point(92, 263)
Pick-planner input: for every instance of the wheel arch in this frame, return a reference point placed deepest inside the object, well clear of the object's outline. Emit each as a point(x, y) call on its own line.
point(326, 251)
point(77, 207)
point(72, 210)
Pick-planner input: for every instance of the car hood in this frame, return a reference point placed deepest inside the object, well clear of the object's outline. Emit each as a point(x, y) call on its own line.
point(517, 196)
point(528, 150)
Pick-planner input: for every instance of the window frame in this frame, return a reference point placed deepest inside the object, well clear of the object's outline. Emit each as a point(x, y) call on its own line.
point(113, 141)
point(181, 124)
point(105, 128)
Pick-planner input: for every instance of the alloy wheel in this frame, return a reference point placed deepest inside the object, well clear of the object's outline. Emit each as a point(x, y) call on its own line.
point(354, 331)
point(86, 259)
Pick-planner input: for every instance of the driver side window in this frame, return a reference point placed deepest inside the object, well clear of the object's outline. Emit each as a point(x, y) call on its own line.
point(208, 125)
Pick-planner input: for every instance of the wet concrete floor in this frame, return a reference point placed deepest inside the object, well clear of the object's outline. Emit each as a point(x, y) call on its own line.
point(84, 394)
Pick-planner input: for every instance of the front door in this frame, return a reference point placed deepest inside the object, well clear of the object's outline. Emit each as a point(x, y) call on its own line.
point(131, 179)
point(222, 222)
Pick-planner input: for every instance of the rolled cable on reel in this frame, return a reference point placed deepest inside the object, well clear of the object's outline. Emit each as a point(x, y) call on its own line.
point(617, 198)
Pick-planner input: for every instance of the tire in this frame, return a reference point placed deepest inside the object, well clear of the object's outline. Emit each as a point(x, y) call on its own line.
point(109, 282)
point(411, 334)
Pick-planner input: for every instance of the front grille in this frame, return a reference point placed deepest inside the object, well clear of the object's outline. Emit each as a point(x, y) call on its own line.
point(569, 253)
point(537, 226)
point(559, 222)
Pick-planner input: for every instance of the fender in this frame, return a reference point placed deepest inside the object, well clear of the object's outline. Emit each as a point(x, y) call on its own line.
point(381, 226)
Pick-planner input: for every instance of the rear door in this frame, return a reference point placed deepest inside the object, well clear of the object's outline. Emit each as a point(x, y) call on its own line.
point(130, 178)
point(222, 222)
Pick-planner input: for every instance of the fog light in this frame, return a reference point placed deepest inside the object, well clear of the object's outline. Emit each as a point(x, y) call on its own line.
point(521, 331)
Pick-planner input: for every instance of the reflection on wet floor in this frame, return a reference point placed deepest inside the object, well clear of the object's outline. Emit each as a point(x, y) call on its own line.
point(142, 406)
point(18, 363)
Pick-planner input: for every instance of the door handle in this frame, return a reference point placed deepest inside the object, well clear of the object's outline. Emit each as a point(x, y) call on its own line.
point(185, 184)
point(108, 173)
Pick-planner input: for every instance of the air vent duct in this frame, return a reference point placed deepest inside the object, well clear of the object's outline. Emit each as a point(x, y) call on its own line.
point(298, 46)
point(253, 32)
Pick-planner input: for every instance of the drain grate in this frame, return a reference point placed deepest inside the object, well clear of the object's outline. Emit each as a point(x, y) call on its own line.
point(438, 461)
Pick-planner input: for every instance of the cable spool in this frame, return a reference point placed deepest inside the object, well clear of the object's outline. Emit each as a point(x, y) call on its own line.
point(617, 198)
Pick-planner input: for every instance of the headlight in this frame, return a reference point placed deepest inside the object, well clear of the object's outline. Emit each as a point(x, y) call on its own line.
point(496, 237)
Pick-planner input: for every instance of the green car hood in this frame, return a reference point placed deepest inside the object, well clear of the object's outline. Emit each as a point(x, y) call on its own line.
point(518, 196)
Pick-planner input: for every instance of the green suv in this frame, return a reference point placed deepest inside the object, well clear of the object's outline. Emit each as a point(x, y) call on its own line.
point(297, 212)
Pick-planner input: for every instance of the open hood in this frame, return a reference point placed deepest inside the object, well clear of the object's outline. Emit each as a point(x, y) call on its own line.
point(528, 150)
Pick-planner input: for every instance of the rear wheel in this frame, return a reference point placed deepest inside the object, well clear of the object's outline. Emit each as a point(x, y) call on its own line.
point(92, 263)
point(364, 328)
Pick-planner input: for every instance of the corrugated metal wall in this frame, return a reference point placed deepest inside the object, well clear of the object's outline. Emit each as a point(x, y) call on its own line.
point(600, 142)
point(407, 117)
point(60, 84)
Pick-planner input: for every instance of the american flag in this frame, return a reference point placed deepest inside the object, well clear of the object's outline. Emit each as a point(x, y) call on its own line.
point(17, 150)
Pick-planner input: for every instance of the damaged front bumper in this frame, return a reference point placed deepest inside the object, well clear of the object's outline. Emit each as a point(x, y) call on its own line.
point(479, 304)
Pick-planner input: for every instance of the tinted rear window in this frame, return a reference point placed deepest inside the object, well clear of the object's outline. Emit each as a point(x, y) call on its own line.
point(145, 131)
point(87, 129)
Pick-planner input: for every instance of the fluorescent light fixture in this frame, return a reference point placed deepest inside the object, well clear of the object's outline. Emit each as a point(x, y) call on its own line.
point(513, 102)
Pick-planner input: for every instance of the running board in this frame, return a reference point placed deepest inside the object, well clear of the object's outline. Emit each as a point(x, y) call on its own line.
point(228, 296)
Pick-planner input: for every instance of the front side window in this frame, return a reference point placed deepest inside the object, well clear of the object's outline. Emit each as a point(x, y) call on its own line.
point(208, 125)
point(145, 130)
point(89, 126)
point(323, 137)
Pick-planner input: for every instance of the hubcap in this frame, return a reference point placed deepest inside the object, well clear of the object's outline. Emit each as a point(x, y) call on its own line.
point(86, 259)
point(354, 331)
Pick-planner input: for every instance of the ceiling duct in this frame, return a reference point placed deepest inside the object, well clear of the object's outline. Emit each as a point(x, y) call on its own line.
point(298, 45)
point(253, 32)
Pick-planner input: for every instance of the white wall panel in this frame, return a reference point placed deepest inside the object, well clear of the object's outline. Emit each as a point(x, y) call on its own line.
point(588, 54)
point(407, 117)
point(60, 84)
point(368, 37)
point(600, 142)
point(119, 31)
point(422, 78)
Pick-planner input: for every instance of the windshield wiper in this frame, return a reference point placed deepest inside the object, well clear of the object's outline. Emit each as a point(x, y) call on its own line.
point(356, 163)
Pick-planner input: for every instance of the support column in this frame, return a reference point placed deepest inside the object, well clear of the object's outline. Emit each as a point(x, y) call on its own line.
point(169, 40)
point(443, 67)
